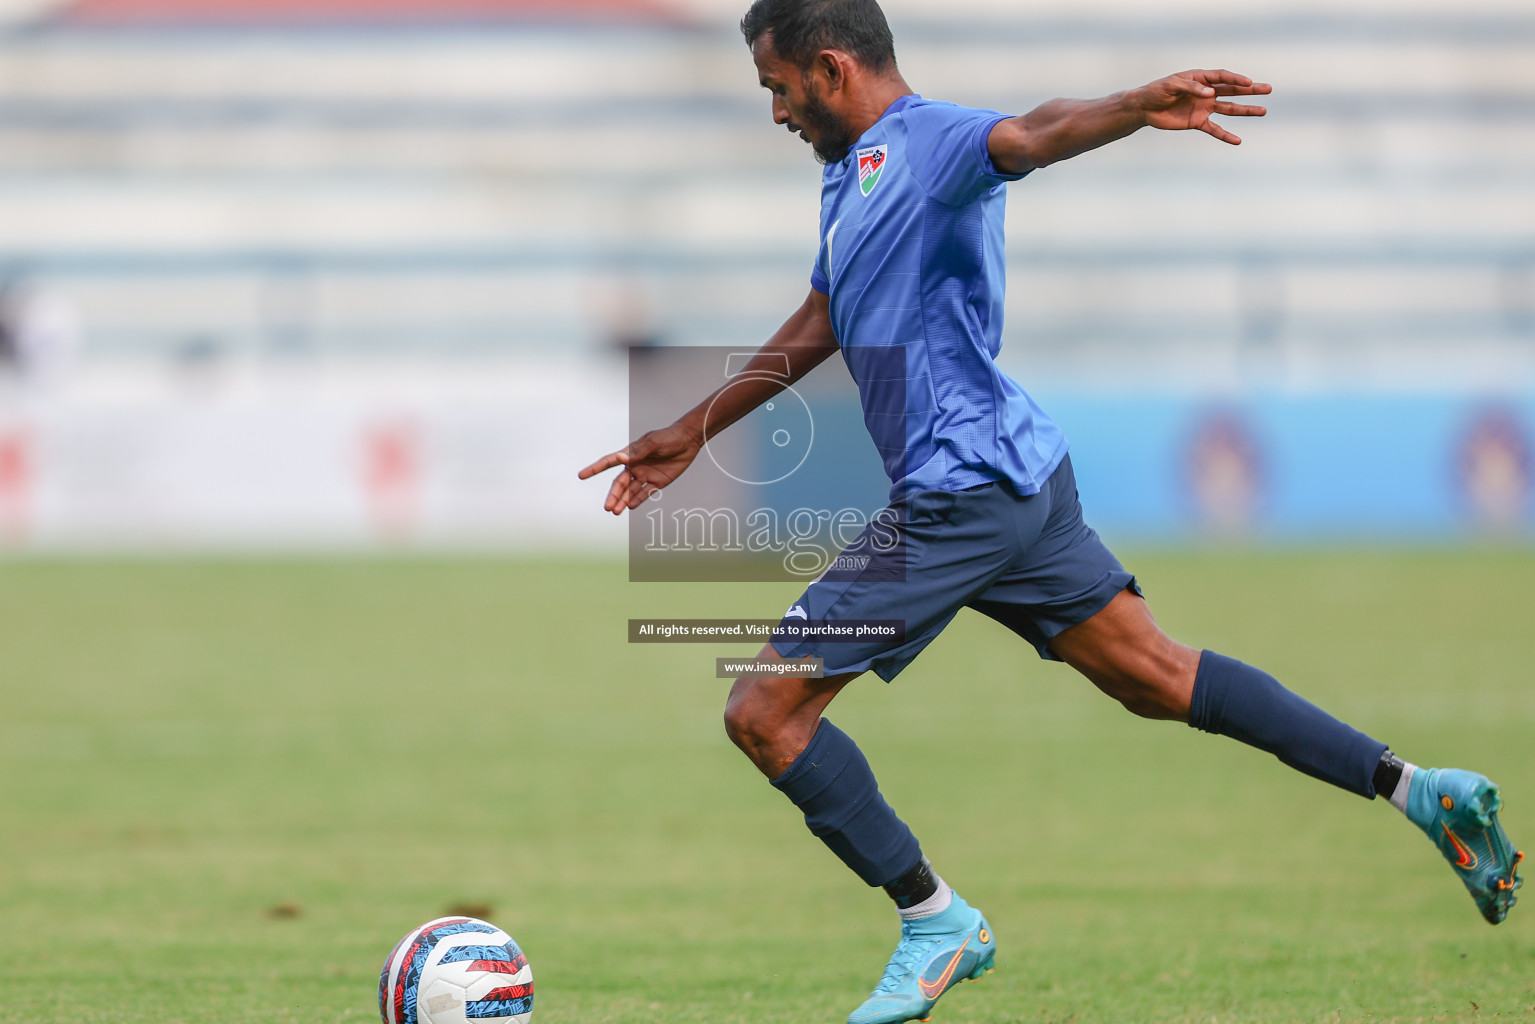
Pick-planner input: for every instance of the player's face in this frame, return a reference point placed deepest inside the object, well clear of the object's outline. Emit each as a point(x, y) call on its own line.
point(799, 104)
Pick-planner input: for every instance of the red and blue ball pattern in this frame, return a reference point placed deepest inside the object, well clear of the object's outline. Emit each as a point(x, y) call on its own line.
point(506, 1000)
point(400, 979)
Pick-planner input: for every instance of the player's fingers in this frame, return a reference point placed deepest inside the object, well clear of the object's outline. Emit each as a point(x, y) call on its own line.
point(1240, 109)
point(633, 487)
point(607, 462)
point(617, 491)
point(1189, 85)
point(640, 493)
point(1231, 90)
point(1220, 76)
point(1256, 89)
point(1211, 128)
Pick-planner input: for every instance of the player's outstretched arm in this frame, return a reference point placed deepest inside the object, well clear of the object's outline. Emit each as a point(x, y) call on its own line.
point(1061, 129)
point(655, 459)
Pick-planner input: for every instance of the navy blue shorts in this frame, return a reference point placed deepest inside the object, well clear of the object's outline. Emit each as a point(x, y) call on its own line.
point(1030, 563)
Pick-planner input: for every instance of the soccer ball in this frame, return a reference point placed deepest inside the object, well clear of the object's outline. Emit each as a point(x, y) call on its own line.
point(456, 970)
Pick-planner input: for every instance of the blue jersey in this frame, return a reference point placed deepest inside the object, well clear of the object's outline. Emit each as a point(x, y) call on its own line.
point(912, 260)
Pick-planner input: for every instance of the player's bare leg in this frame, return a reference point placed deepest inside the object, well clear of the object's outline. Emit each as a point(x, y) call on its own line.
point(1124, 653)
point(1127, 656)
point(773, 718)
point(776, 721)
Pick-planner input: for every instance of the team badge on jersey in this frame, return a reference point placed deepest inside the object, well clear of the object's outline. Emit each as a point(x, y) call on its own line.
point(871, 163)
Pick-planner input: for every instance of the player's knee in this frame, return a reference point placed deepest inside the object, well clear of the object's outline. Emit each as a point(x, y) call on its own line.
point(749, 719)
point(738, 722)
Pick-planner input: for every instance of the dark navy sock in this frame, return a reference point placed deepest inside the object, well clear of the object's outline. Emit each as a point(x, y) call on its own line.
point(832, 783)
point(1247, 704)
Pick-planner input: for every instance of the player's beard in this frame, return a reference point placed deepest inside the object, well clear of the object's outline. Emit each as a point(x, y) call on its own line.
point(834, 136)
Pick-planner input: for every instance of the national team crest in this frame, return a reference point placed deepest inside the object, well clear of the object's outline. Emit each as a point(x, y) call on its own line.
point(871, 164)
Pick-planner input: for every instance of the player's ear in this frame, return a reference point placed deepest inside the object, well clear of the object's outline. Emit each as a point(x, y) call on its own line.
point(827, 65)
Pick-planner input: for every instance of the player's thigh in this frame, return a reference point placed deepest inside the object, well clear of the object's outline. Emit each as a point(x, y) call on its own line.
point(1063, 576)
point(1123, 651)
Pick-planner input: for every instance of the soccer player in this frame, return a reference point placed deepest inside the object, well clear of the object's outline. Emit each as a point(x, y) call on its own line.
point(983, 497)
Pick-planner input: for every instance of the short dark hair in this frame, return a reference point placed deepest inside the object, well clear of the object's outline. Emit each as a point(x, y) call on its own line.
point(803, 28)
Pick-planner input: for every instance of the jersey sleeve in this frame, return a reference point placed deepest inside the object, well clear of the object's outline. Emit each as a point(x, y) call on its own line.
point(820, 271)
point(947, 153)
point(818, 279)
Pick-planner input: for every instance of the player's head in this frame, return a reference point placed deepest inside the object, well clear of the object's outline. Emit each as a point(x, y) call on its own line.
point(817, 57)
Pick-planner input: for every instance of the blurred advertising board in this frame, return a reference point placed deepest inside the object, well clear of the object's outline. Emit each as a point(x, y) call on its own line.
point(485, 457)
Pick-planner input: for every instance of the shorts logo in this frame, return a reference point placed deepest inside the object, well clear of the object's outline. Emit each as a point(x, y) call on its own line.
point(871, 164)
point(796, 612)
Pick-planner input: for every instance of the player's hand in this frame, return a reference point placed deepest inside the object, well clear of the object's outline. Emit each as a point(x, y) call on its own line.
point(1183, 101)
point(650, 463)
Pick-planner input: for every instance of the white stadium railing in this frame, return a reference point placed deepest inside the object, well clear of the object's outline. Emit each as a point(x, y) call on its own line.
point(506, 191)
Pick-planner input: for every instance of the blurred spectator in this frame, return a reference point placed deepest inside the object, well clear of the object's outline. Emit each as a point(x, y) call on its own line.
point(8, 358)
point(627, 323)
point(39, 331)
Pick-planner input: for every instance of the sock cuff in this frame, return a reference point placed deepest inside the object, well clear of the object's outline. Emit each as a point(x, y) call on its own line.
point(1209, 678)
point(823, 754)
point(832, 783)
point(1235, 699)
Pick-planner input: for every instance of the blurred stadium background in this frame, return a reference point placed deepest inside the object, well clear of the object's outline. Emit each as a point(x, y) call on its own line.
point(360, 276)
point(351, 273)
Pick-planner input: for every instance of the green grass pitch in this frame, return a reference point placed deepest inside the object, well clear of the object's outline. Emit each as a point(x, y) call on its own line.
point(187, 747)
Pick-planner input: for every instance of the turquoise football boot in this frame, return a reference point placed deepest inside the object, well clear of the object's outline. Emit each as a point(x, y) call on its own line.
point(1459, 812)
point(935, 954)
